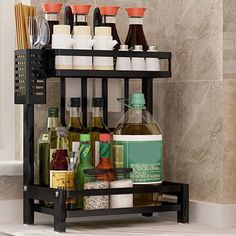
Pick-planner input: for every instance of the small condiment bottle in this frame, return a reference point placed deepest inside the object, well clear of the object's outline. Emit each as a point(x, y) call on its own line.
point(123, 63)
point(152, 64)
point(52, 11)
point(80, 13)
point(138, 63)
point(105, 153)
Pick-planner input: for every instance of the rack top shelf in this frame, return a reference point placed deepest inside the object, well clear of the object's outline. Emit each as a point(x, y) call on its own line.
point(100, 53)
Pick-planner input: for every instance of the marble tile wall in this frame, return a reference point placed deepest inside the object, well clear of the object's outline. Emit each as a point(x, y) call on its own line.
point(229, 44)
point(195, 108)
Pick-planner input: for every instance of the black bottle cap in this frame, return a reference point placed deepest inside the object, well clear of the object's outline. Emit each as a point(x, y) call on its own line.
point(75, 102)
point(97, 102)
point(53, 111)
point(95, 171)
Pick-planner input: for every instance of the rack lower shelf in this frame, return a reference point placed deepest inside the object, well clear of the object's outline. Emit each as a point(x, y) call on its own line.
point(60, 213)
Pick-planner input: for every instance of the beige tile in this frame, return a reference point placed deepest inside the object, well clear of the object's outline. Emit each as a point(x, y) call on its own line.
point(229, 173)
point(11, 187)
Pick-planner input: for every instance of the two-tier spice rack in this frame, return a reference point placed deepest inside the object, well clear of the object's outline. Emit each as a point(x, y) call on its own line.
point(32, 68)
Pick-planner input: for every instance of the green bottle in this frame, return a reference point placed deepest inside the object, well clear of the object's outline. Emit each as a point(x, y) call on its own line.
point(85, 163)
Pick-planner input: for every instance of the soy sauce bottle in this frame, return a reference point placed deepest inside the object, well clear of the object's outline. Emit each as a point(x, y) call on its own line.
point(80, 13)
point(136, 34)
point(52, 11)
point(109, 19)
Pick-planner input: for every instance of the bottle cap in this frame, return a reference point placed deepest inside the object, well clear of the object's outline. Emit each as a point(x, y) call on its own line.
point(135, 12)
point(80, 9)
point(82, 30)
point(62, 131)
point(52, 7)
point(97, 102)
point(102, 31)
point(104, 137)
point(61, 29)
point(124, 47)
point(121, 170)
point(74, 102)
point(85, 137)
point(137, 101)
point(109, 10)
point(152, 47)
point(138, 47)
point(53, 112)
point(96, 171)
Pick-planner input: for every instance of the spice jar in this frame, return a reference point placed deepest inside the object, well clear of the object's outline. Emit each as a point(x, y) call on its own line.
point(94, 179)
point(122, 180)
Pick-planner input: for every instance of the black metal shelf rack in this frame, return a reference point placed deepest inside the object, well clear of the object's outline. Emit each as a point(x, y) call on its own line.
point(32, 68)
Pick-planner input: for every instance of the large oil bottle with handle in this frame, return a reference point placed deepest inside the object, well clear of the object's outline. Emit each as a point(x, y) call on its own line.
point(137, 144)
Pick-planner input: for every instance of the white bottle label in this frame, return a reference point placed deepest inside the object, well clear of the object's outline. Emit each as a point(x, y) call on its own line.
point(97, 153)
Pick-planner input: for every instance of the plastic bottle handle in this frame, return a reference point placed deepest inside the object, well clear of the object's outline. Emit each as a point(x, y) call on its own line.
point(122, 101)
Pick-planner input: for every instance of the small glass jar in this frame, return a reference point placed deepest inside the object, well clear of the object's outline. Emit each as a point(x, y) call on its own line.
point(122, 180)
point(96, 179)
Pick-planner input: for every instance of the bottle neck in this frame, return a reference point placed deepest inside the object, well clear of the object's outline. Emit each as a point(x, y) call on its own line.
point(52, 17)
point(80, 19)
point(97, 112)
point(75, 114)
point(85, 152)
point(108, 19)
point(52, 123)
point(62, 142)
point(135, 21)
point(105, 151)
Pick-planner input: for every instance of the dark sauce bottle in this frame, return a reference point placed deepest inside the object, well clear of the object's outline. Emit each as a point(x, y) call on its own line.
point(136, 34)
point(52, 11)
point(109, 19)
point(80, 13)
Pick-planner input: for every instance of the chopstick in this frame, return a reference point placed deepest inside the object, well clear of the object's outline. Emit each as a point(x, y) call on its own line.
point(22, 13)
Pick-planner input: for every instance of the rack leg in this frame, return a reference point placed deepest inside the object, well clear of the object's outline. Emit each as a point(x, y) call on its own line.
point(63, 101)
point(59, 212)
point(183, 199)
point(28, 215)
point(147, 214)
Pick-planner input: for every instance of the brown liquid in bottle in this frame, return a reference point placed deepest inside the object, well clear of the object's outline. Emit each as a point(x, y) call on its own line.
point(136, 36)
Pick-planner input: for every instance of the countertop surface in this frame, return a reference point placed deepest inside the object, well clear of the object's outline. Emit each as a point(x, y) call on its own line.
point(116, 225)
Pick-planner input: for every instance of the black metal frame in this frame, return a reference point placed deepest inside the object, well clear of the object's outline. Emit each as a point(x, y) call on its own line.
point(39, 70)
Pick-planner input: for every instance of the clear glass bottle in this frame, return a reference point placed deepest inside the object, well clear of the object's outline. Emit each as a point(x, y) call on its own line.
point(75, 127)
point(109, 19)
point(52, 15)
point(85, 163)
point(97, 127)
point(137, 144)
point(136, 34)
point(80, 13)
point(47, 145)
point(60, 176)
point(96, 179)
point(122, 180)
point(105, 154)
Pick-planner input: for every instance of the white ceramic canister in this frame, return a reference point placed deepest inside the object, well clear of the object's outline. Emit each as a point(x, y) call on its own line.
point(103, 41)
point(83, 40)
point(61, 39)
point(138, 63)
point(152, 64)
point(123, 63)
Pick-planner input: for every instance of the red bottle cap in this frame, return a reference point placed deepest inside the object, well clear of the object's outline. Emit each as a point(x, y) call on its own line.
point(105, 137)
point(135, 12)
point(109, 10)
point(52, 7)
point(80, 9)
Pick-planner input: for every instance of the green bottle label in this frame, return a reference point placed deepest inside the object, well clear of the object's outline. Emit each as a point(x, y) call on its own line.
point(105, 150)
point(85, 150)
point(142, 153)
